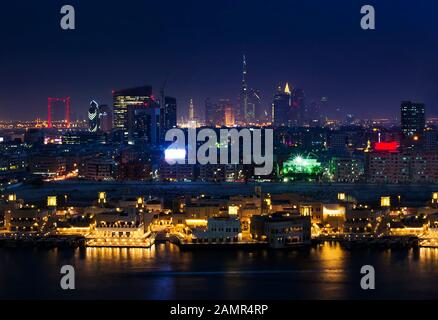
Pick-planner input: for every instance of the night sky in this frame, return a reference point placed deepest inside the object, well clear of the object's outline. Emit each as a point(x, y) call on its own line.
point(317, 45)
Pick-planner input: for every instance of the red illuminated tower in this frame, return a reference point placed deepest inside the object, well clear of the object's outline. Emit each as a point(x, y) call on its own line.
point(66, 102)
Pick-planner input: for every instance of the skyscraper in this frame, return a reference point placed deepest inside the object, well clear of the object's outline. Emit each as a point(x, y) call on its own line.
point(229, 115)
point(220, 110)
point(93, 117)
point(247, 113)
point(191, 110)
point(255, 106)
point(298, 107)
point(145, 126)
point(209, 113)
point(168, 115)
point(124, 99)
point(106, 118)
point(281, 107)
point(413, 118)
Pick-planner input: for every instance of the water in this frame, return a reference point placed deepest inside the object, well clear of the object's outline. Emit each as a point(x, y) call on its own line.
point(163, 272)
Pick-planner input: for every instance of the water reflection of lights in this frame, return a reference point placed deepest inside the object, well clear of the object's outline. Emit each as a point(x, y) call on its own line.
point(104, 254)
point(333, 260)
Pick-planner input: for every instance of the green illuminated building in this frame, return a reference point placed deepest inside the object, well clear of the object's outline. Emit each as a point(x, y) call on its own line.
point(301, 168)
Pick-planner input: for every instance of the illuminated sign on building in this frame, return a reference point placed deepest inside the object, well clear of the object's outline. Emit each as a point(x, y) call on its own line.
point(387, 146)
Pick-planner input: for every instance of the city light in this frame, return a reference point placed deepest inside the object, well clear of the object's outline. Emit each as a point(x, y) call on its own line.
point(385, 202)
point(300, 166)
point(233, 210)
point(174, 154)
point(51, 201)
point(387, 146)
point(102, 198)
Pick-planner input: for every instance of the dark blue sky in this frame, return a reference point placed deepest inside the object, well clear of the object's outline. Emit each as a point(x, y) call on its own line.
point(317, 45)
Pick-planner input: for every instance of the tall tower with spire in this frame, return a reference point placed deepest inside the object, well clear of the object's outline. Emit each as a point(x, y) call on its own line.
point(191, 110)
point(244, 91)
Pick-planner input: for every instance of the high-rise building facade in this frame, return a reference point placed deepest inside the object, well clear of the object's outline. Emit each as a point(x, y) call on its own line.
point(106, 118)
point(219, 111)
point(94, 117)
point(209, 113)
point(191, 110)
point(145, 126)
point(281, 107)
point(168, 114)
point(413, 118)
point(124, 99)
point(297, 112)
point(247, 114)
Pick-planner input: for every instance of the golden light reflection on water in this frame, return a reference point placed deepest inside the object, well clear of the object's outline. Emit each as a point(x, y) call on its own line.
point(118, 254)
point(332, 256)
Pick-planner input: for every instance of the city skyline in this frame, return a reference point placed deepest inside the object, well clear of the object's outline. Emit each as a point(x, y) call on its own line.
point(363, 72)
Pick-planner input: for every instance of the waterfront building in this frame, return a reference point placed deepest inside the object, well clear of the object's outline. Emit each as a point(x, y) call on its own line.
point(409, 226)
point(26, 219)
point(360, 221)
point(121, 229)
point(333, 217)
point(281, 230)
point(218, 230)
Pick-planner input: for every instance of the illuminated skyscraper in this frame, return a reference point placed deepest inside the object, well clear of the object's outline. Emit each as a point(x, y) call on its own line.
point(94, 117)
point(229, 116)
point(124, 99)
point(191, 110)
point(106, 118)
point(247, 112)
point(209, 113)
point(281, 107)
point(413, 118)
point(145, 126)
point(298, 107)
point(168, 114)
